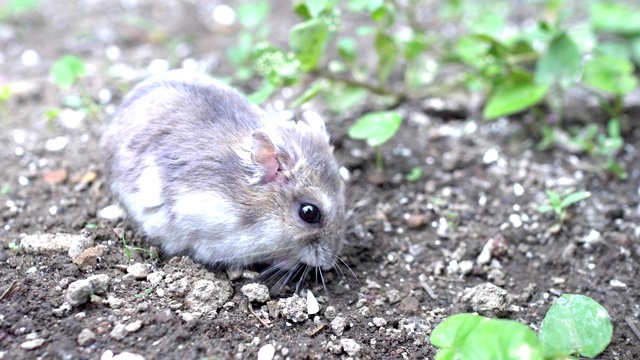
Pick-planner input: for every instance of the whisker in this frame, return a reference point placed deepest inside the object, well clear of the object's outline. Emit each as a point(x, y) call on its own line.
point(303, 277)
point(324, 286)
point(337, 267)
point(349, 268)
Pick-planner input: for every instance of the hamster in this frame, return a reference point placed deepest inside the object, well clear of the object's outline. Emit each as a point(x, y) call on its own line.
point(205, 173)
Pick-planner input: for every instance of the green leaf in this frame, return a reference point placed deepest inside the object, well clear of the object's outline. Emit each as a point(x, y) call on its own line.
point(610, 74)
point(313, 91)
point(415, 174)
point(517, 93)
point(575, 324)
point(415, 46)
point(387, 55)
point(340, 98)
point(309, 9)
point(468, 336)
point(5, 92)
point(471, 51)
point(262, 94)
point(347, 49)
point(560, 64)
point(574, 198)
point(307, 41)
point(615, 17)
point(67, 70)
point(252, 14)
point(376, 128)
point(635, 49)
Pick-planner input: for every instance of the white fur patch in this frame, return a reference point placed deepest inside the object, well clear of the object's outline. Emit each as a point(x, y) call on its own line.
point(149, 186)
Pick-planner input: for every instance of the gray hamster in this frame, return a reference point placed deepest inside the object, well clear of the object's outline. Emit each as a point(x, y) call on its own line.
point(205, 173)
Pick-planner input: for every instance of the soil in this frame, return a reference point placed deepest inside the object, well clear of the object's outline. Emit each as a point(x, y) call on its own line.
point(412, 247)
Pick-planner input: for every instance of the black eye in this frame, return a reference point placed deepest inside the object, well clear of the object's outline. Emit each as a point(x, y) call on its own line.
point(309, 213)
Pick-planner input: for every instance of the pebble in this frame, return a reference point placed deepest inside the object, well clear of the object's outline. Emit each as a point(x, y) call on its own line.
point(293, 308)
point(350, 346)
point(378, 321)
point(125, 355)
point(78, 292)
point(487, 299)
point(87, 258)
point(134, 326)
point(119, 332)
point(338, 325)
point(393, 296)
point(56, 144)
point(111, 213)
point(55, 177)
point(267, 352)
point(256, 292)
point(409, 305)
point(330, 312)
point(312, 304)
point(86, 337)
point(155, 277)
point(99, 283)
point(52, 244)
point(207, 296)
point(32, 344)
point(138, 271)
point(234, 274)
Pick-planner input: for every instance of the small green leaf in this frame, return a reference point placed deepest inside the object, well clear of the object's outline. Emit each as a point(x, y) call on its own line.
point(574, 198)
point(610, 74)
point(468, 336)
point(340, 98)
point(275, 65)
point(615, 17)
point(575, 324)
point(315, 7)
point(5, 92)
point(262, 94)
point(376, 128)
point(415, 46)
point(387, 55)
point(67, 70)
point(415, 174)
point(307, 41)
point(347, 49)
point(517, 93)
point(6, 189)
point(252, 14)
point(635, 49)
point(313, 91)
point(545, 208)
point(560, 63)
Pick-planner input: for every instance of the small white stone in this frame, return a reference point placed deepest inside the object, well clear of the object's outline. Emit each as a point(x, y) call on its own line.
point(79, 292)
point(29, 58)
point(125, 355)
point(338, 324)
point(490, 156)
point(71, 119)
point(224, 15)
point(267, 352)
point(56, 144)
point(112, 52)
point(86, 337)
point(592, 236)
point(155, 277)
point(134, 326)
point(99, 283)
point(312, 304)
point(112, 213)
point(118, 332)
point(256, 292)
point(350, 346)
point(138, 271)
point(32, 344)
point(518, 190)
point(378, 321)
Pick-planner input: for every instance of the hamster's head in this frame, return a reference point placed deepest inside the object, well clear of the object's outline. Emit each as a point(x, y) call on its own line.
point(296, 177)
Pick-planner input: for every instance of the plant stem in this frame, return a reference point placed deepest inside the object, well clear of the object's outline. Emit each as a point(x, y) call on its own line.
point(379, 163)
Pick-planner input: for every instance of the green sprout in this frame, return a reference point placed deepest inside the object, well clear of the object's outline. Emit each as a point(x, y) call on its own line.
point(559, 203)
point(376, 128)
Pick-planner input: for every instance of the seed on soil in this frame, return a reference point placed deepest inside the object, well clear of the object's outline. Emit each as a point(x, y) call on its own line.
point(78, 292)
point(111, 213)
point(86, 337)
point(256, 292)
point(55, 177)
point(312, 304)
point(267, 352)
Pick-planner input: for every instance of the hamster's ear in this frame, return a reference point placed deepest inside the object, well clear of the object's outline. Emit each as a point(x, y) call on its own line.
point(315, 122)
point(265, 155)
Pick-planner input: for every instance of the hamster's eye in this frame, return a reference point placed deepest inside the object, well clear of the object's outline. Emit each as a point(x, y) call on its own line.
point(309, 213)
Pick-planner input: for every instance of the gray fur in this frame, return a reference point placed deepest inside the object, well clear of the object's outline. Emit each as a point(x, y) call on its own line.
point(178, 156)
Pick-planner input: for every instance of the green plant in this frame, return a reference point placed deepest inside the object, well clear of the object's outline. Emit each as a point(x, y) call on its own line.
point(414, 175)
point(14, 246)
point(128, 250)
point(67, 72)
point(376, 128)
point(5, 95)
point(6, 189)
point(16, 7)
point(574, 325)
point(254, 29)
point(559, 203)
point(146, 292)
